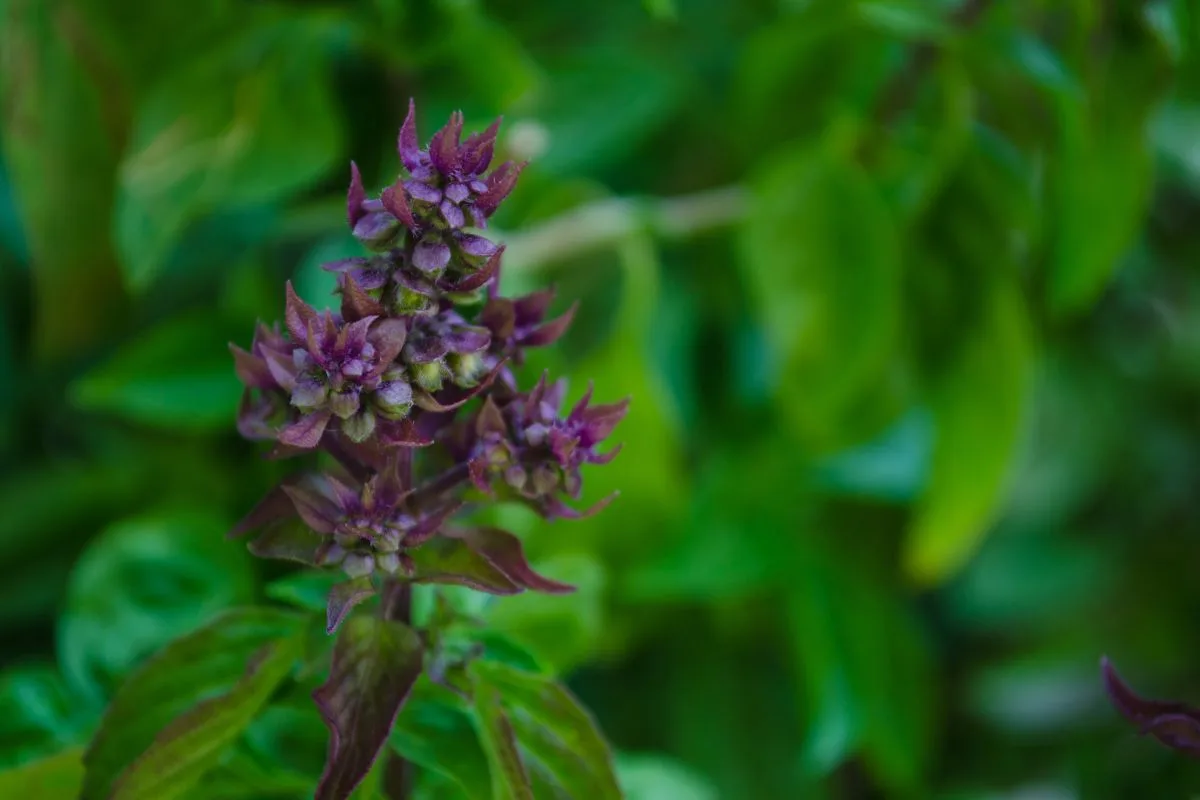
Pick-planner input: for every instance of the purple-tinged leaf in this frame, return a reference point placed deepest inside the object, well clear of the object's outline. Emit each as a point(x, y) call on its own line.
point(289, 541)
point(298, 315)
point(251, 370)
point(510, 779)
point(506, 553)
point(476, 152)
point(395, 201)
point(193, 743)
point(499, 183)
point(388, 338)
point(490, 420)
point(408, 146)
point(343, 597)
point(443, 145)
point(275, 506)
point(476, 279)
point(282, 369)
point(533, 307)
point(208, 661)
point(306, 432)
point(1176, 725)
point(375, 664)
point(500, 316)
point(552, 331)
point(356, 303)
point(355, 196)
point(318, 513)
point(451, 561)
point(402, 434)
point(553, 728)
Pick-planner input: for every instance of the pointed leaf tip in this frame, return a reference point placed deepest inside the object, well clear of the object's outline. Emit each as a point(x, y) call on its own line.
point(375, 664)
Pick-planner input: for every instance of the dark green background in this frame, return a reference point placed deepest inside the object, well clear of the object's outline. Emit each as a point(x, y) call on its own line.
point(906, 295)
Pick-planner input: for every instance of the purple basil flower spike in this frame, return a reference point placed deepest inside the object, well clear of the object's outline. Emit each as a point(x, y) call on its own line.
point(381, 386)
point(1176, 725)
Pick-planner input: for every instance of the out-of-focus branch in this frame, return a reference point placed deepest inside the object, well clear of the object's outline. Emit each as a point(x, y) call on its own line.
point(600, 225)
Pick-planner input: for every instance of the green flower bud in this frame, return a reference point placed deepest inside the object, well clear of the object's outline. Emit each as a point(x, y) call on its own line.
point(465, 368)
point(360, 426)
point(429, 376)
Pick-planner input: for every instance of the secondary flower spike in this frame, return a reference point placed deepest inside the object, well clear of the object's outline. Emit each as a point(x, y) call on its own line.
point(1177, 725)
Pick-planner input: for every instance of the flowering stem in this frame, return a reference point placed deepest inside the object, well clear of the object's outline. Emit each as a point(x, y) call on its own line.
point(396, 604)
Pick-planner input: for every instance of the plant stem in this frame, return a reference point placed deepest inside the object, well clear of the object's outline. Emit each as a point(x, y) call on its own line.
point(600, 225)
point(396, 604)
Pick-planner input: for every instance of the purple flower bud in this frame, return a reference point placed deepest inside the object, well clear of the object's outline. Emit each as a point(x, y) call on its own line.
point(358, 565)
point(431, 254)
point(377, 230)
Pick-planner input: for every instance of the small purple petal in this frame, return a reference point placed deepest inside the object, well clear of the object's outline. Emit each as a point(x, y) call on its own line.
point(388, 336)
point(345, 264)
point(476, 246)
point(419, 190)
point(309, 393)
point(431, 255)
point(467, 339)
point(457, 192)
point(282, 369)
point(376, 230)
point(452, 214)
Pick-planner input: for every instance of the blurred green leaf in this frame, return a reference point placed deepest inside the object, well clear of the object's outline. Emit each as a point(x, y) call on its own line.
point(38, 715)
point(560, 631)
point(820, 251)
point(193, 743)
point(435, 734)
point(1102, 175)
point(307, 589)
point(225, 659)
point(177, 376)
point(510, 779)
point(582, 132)
point(139, 584)
point(57, 777)
point(863, 667)
point(61, 135)
point(651, 777)
point(222, 131)
point(915, 19)
point(978, 408)
point(553, 728)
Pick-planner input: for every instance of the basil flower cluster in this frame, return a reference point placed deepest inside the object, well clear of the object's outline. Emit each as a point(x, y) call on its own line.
point(411, 388)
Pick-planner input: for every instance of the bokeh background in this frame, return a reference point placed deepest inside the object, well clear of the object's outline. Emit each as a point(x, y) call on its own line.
point(906, 293)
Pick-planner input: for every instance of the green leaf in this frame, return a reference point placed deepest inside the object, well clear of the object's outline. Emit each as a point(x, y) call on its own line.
point(38, 715)
point(57, 777)
point(194, 742)
point(140, 583)
point(978, 406)
point(450, 561)
point(222, 131)
point(434, 733)
point(375, 664)
point(553, 728)
point(510, 778)
point(1102, 176)
point(820, 251)
point(61, 133)
point(178, 376)
point(651, 777)
point(864, 669)
point(205, 666)
point(307, 589)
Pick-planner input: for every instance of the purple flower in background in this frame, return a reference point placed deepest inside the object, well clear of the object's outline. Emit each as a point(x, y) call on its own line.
point(1177, 725)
